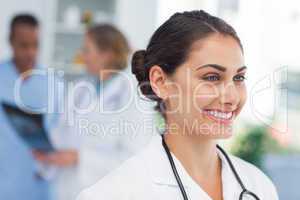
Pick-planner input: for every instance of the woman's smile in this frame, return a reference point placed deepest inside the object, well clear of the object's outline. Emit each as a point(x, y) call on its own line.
point(219, 116)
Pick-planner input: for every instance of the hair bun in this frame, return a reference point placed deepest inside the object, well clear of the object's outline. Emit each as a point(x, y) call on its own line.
point(138, 65)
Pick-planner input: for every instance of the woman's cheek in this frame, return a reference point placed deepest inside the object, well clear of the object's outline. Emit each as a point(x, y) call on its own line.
point(204, 95)
point(242, 91)
point(243, 95)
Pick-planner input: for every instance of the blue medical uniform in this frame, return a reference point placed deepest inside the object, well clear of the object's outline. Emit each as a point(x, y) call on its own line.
point(19, 177)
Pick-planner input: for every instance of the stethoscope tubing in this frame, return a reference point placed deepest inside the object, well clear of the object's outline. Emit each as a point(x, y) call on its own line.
point(177, 177)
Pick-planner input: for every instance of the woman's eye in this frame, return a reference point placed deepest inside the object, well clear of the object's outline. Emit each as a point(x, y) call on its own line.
point(239, 78)
point(211, 78)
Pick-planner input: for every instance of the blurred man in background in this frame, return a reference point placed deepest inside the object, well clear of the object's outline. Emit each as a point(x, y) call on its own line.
point(20, 176)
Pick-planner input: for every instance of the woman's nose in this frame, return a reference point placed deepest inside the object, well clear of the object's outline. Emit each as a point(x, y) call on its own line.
point(229, 95)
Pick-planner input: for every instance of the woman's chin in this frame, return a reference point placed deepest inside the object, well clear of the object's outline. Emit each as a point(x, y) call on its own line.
point(223, 131)
point(218, 131)
point(223, 135)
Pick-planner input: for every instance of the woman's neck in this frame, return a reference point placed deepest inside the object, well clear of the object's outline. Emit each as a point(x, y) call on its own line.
point(200, 159)
point(198, 155)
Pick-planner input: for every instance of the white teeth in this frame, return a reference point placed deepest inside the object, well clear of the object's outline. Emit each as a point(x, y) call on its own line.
point(220, 115)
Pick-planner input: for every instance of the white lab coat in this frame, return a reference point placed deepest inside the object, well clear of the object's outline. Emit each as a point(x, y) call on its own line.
point(148, 176)
point(103, 140)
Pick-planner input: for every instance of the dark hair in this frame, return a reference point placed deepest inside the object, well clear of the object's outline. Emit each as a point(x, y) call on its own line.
point(170, 44)
point(108, 37)
point(23, 19)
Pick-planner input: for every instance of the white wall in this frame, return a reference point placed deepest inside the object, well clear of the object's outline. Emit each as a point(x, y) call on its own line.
point(137, 19)
point(166, 8)
point(140, 18)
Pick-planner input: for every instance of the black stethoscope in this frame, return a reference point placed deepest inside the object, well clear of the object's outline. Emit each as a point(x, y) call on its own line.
point(245, 193)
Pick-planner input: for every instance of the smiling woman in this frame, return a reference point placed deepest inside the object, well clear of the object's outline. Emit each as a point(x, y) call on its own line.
point(194, 69)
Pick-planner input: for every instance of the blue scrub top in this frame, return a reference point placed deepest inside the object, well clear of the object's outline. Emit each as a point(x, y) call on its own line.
point(18, 169)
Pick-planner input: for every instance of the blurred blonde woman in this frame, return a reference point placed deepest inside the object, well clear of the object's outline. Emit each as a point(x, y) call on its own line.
point(99, 130)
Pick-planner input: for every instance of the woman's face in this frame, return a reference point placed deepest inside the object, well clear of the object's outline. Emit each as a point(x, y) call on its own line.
point(95, 58)
point(208, 91)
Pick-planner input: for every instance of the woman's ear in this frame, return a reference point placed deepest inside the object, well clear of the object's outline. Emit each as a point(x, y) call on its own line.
point(158, 81)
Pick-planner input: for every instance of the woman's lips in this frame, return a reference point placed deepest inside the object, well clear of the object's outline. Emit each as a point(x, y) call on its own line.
point(223, 117)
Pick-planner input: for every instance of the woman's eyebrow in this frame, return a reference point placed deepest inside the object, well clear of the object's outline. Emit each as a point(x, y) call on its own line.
point(219, 67)
point(241, 69)
point(216, 66)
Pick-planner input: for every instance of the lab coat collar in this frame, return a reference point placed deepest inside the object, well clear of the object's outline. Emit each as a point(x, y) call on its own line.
point(162, 174)
point(159, 166)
